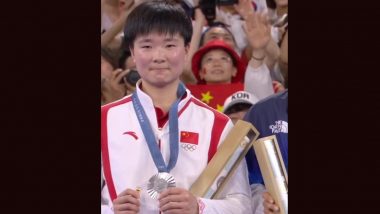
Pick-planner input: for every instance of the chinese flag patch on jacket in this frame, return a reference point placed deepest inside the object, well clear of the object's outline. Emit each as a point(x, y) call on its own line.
point(189, 137)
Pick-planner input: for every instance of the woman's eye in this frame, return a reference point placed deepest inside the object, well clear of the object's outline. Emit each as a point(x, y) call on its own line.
point(209, 59)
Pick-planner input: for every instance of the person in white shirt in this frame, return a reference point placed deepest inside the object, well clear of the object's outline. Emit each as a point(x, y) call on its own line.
point(157, 141)
point(237, 105)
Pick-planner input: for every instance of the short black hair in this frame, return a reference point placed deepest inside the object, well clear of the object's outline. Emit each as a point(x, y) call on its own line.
point(237, 107)
point(164, 17)
point(124, 54)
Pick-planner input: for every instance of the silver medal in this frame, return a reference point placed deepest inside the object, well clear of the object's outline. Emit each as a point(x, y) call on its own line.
point(158, 183)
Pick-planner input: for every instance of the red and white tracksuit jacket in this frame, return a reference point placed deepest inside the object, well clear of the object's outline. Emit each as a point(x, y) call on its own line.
point(127, 162)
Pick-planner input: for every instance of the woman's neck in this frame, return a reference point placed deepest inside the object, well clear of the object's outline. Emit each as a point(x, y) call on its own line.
point(162, 97)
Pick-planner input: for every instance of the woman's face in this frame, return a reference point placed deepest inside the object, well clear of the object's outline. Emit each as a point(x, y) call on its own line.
point(159, 58)
point(217, 67)
point(221, 34)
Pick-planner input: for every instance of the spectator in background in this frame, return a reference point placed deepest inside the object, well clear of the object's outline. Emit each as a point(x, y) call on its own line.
point(219, 72)
point(283, 62)
point(112, 85)
point(277, 10)
point(216, 31)
point(278, 13)
point(236, 17)
point(237, 105)
point(229, 15)
point(219, 30)
point(159, 34)
point(257, 79)
point(127, 63)
point(110, 12)
point(114, 14)
point(217, 62)
point(272, 47)
point(270, 117)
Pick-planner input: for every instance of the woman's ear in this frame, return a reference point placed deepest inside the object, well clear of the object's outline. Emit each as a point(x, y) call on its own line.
point(202, 73)
point(234, 72)
point(187, 56)
point(132, 55)
point(187, 47)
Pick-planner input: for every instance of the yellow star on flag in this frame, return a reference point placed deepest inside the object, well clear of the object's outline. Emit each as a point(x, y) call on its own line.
point(206, 97)
point(219, 108)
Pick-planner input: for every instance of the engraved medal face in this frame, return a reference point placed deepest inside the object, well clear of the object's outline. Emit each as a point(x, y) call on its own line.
point(158, 183)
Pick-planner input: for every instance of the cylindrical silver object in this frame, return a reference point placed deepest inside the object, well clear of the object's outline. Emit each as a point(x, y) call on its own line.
point(273, 170)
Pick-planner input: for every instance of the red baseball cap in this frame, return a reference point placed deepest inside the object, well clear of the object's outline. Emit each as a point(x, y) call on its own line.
point(217, 44)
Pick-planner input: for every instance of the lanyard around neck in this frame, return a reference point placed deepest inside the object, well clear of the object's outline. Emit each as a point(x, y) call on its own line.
point(149, 134)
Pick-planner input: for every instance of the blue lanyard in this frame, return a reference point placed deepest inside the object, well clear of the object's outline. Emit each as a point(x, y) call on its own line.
point(149, 134)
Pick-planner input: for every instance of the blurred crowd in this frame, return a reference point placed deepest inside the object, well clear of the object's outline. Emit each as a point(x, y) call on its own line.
point(244, 47)
point(237, 63)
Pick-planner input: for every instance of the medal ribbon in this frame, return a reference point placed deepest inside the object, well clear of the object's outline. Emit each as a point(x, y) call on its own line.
point(149, 134)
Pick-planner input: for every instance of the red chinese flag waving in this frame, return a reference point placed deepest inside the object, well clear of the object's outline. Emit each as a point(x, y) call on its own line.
point(189, 137)
point(215, 95)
